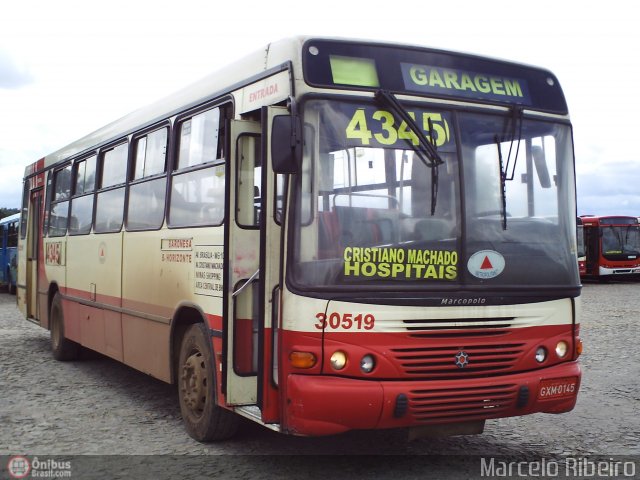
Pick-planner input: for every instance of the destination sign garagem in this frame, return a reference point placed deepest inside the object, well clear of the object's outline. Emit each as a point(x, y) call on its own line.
point(444, 81)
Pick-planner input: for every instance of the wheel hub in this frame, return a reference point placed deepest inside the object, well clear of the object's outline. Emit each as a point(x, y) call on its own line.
point(194, 382)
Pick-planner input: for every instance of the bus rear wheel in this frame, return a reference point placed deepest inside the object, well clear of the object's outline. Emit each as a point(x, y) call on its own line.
point(62, 348)
point(204, 420)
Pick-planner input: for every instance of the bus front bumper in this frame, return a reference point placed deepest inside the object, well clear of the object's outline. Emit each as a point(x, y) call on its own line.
point(326, 405)
point(634, 270)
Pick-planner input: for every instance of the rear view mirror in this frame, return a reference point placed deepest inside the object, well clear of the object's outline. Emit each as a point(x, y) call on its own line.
point(286, 144)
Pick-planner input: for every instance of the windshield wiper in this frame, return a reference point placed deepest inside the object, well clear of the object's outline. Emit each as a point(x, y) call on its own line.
point(516, 115)
point(434, 174)
point(428, 153)
point(503, 185)
point(426, 150)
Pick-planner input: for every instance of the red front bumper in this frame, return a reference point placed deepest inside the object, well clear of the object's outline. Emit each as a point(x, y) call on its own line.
point(325, 405)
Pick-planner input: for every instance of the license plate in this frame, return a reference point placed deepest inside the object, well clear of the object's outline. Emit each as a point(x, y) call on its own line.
point(557, 388)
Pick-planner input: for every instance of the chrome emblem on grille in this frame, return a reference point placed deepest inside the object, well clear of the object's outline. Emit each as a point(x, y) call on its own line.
point(462, 359)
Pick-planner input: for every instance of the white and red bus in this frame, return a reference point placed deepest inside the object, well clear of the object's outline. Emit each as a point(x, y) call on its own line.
point(612, 246)
point(327, 235)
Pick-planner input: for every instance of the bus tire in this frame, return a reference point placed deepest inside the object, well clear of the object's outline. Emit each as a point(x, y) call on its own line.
point(62, 348)
point(204, 420)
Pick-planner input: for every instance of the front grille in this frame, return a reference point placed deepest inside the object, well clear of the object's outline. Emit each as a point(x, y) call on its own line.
point(458, 327)
point(440, 361)
point(442, 405)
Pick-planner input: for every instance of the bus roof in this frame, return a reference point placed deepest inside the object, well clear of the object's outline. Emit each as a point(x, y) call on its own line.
point(592, 220)
point(207, 88)
point(274, 57)
point(10, 219)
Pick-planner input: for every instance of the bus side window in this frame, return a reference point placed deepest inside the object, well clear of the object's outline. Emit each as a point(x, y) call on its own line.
point(145, 210)
point(110, 199)
point(82, 201)
point(59, 213)
point(198, 184)
point(12, 235)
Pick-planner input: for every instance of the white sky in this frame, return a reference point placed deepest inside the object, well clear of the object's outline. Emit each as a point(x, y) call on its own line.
point(67, 67)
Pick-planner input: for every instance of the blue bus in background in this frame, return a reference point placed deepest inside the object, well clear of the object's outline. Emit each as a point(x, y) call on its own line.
point(9, 227)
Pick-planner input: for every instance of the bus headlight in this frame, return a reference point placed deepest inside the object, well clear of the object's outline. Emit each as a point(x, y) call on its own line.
point(367, 363)
point(541, 354)
point(561, 349)
point(338, 360)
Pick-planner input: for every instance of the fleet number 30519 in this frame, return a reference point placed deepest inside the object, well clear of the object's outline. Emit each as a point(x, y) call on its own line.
point(345, 321)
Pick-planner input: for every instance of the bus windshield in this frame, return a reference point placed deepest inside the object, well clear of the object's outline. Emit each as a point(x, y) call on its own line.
point(618, 242)
point(371, 212)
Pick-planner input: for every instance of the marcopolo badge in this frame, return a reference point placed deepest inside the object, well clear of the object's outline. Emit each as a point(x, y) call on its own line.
point(486, 264)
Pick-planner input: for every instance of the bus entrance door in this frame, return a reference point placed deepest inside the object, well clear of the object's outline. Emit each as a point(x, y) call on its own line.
point(34, 253)
point(240, 372)
point(592, 247)
point(254, 255)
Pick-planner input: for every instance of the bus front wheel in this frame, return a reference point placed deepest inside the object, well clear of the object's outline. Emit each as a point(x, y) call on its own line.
point(61, 347)
point(204, 420)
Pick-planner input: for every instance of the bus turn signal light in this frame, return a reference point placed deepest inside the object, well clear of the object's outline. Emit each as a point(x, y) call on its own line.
point(578, 348)
point(302, 359)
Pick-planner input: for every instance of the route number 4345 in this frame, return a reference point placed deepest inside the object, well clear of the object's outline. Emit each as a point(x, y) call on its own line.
point(379, 125)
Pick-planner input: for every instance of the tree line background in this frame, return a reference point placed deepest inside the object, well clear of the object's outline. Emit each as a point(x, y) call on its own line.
point(5, 212)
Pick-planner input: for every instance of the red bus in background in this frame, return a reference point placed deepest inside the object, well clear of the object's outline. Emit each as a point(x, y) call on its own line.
point(582, 253)
point(612, 246)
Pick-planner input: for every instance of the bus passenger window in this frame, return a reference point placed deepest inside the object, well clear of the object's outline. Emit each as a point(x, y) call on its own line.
point(109, 208)
point(85, 175)
point(82, 202)
point(81, 213)
point(110, 203)
point(114, 166)
point(146, 205)
point(199, 139)
point(150, 154)
point(197, 186)
point(197, 198)
point(145, 210)
point(12, 235)
point(59, 212)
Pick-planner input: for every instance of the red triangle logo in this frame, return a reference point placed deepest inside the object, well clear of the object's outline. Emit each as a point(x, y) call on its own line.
point(486, 264)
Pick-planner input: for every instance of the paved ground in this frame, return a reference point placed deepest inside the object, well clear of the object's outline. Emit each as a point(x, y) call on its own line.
point(97, 406)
